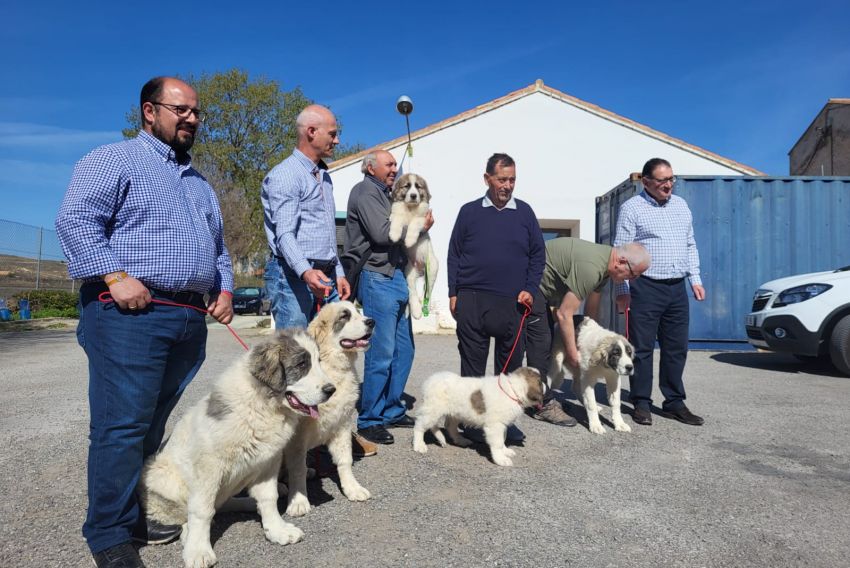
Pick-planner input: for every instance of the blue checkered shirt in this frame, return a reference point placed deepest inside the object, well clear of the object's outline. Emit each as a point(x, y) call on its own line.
point(299, 212)
point(667, 232)
point(131, 206)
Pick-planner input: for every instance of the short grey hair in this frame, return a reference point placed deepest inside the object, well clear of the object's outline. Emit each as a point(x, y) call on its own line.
point(370, 159)
point(636, 254)
point(312, 115)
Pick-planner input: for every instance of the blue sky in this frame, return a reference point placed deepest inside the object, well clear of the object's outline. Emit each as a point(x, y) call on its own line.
point(742, 79)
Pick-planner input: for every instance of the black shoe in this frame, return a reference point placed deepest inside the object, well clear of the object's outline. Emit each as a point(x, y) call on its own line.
point(149, 531)
point(377, 434)
point(403, 422)
point(685, 416)
point(642, 416)
point(122, 555)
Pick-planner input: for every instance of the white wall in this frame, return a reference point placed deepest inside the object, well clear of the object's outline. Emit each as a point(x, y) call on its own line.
point(565, 158)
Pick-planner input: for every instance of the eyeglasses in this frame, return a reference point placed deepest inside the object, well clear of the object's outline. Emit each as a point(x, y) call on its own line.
point(183, 111)
point(632, 273)
point(671, 179)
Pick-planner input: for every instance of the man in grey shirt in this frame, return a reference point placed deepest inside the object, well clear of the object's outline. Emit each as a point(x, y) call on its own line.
point(382, 290)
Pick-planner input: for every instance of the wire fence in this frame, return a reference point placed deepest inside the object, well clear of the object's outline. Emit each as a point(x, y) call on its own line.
point(31, 259)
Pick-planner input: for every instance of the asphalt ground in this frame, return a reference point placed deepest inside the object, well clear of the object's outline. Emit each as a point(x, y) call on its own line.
point(766, 481)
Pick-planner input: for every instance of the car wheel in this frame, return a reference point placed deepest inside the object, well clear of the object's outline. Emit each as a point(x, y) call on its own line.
point(839, 345)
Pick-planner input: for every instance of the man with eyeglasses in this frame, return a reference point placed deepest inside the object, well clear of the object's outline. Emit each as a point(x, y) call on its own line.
point(140, 223)
point(298, 201)
point(662, 222)
point(576, 271)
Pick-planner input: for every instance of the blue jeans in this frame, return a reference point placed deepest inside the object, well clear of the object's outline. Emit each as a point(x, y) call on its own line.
point(140, 362)
point(292, 302)
point(389, 359)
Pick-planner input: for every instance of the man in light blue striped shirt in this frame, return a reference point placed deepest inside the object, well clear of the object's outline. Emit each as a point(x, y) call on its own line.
point(662, 223)
point(299, 220)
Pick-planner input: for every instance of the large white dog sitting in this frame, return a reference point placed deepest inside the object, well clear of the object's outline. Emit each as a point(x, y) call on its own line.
point(411, 201)
point(341, 333)
point(490, 403)
point(233, 438)
point(604, 356)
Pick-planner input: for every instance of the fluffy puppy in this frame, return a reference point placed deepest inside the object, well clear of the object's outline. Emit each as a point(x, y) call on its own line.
point(604, 356)
point(411, 201)
point(233, 438)
point(490, 403)
point(341, 332)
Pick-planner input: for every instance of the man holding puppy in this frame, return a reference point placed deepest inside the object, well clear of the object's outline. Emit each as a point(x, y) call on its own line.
point(382, 290)
point(576, 271)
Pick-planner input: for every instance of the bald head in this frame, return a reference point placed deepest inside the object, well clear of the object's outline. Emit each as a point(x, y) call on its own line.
point(317, 132)
point(628, 262)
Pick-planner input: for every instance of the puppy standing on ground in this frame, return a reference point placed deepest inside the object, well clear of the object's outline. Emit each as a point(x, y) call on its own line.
point(604, 355)
point(411, 203)
point(491, 403)
point(341, 332)
point(233, 438)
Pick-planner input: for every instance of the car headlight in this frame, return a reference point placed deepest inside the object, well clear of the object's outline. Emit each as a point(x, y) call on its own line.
point(799, 294)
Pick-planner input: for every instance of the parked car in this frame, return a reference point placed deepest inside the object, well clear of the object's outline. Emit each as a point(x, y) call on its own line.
point(251, 299)
point(807, 315)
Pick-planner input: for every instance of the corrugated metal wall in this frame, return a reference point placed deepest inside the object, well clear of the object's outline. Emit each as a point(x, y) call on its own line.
point(748, 230)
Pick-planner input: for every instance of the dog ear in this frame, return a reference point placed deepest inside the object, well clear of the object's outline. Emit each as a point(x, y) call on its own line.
point(320, 327)
point(534, 385)
point(278, 362)
point(599, 357)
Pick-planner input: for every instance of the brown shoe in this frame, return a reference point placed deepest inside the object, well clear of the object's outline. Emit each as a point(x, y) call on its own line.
point(642, 416)
point(361, 447)
point(553, 413)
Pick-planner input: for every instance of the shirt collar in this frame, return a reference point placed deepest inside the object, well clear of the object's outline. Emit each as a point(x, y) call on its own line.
point(511, 204)
point(161, 148)
point(311, 166)
point(382, 186)
point(652, 201)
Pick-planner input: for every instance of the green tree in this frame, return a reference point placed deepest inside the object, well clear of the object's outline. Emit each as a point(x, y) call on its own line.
point(250, 127)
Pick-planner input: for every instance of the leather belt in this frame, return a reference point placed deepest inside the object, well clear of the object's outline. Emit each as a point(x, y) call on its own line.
point(668, 281)
point(184, 297)
point(326, 266)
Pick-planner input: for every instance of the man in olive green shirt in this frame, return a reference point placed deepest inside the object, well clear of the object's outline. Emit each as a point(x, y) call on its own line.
point(575, 271)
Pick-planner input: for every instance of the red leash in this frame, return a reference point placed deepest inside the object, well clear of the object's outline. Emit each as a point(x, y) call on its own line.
point(627, 323)
point(511, 354)
point(106, 298)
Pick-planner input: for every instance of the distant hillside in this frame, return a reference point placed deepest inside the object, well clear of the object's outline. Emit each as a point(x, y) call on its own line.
point(19, 273)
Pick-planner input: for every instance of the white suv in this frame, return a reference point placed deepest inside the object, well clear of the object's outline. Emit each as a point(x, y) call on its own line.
point(807, 315)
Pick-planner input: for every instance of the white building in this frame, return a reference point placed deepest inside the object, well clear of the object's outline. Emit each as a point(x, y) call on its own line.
point(567, 152)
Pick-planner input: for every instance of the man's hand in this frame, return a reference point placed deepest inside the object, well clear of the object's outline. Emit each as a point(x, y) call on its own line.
point(699, 292)
point(129, 293)
point(318, 282)
point(429, 221)
point(623, 302)
point(220, 307)
point(343, 288)
point(571, 358)
point(453, 304)
point(525, 298)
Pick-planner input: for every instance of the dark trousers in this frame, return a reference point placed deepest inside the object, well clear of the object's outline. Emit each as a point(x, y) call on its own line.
point(538, 332)
point(481, 316)
point(659, 310)
point(140, 362)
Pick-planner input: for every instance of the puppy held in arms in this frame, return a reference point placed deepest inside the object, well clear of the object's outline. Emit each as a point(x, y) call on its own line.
point(411, 202)
point(490, 403)
point(603, 356)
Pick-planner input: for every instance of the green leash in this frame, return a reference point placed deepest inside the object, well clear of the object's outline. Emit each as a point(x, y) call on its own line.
point(427, 299)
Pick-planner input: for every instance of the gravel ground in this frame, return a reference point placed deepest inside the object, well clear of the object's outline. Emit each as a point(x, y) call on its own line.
point(764, 483)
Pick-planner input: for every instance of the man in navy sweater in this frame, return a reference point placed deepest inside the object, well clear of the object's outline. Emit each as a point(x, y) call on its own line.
point(495, 262)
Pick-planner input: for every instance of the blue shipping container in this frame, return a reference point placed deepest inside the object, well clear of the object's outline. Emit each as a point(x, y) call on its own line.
point(748, 230)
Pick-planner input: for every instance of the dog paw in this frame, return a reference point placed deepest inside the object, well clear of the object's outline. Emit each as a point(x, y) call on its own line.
point(284, 534)
point(416, 312)
point(199, 557)
point(502, 460)
point(420, 447)
point(299, 506)
point(597, 428)
point(622, 427)
point(357, 493)
point(510, 452)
